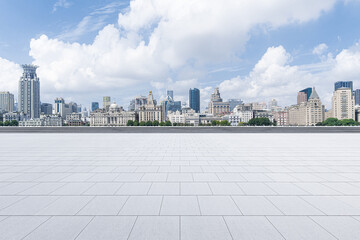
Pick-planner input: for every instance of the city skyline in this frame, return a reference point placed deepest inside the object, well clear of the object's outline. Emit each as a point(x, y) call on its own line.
point(277, 68)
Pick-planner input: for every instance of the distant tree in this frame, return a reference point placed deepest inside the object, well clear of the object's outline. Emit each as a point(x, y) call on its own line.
point(331, 122)
point(142, 123)
point(168, 123)
point(260, 122)
point(7, 123)
point(155, 123)
point(224, 123)
point(162, 124)
point(349, 122)
point(1, 124)
point(136, 123)
point(149, 123)
point(130, 123)
point(214, 123)
point(87, 124)
point(14, 123)
point(175, 124)
point(241, 124)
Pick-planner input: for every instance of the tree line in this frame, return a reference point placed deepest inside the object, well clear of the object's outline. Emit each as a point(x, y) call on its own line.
point(9, 123)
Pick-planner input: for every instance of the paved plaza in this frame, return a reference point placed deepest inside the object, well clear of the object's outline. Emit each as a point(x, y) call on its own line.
point(179, 186)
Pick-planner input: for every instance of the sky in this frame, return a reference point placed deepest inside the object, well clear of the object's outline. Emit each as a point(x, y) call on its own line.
point(252, 50)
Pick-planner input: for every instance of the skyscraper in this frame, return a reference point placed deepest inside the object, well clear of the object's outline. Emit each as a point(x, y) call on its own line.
point(29, 92)
point(343, 84)
point(106, 102)
point(46, 108)
point(94, 106)
point(357, 96)
point(170, 93)
point(304, 95)
point(343, 104)
point(194, 99)
point(6, 102)
point(169, 104)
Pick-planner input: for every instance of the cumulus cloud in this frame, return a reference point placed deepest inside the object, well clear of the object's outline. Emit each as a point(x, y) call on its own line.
point(10, 75)
point(274, 76)
point(156, 38)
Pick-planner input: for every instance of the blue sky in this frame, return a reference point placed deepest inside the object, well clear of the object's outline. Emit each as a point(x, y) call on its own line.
point(154, 45)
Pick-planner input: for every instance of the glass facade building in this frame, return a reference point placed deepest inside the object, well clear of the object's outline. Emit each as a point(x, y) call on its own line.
point(308, 92)
point(94, 106)
point(357, 96)
point(343, 84)
point(194, 99)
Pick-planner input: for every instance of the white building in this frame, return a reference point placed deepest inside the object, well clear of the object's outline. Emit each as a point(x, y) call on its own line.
point(43, 121)
point(343, 102)
point(176, 117)
point(6, 102)
point(61, 108)
point(239, 116)
point(116, 116)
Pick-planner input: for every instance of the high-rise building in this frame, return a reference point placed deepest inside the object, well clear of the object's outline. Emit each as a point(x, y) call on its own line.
point(343, 84)
point(150, 112)
point(170, 93)
point(46, 108)
point(343, 102)
point(29, 92)
point(194, 99)
point(304, 95)
point(272, 105)
point(61, 108)
point(357, 96)
point(94, 106)
point(106, 102)
point(6, 102)
point(169, 104)
point(234, 102)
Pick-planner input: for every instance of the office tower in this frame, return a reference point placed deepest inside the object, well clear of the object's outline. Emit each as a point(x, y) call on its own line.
point(94, 106)
point(357, 96)
point(343, 84)
point(170, 105)
point(6, 102)
point(106, 102)
point(304, 95)
point(170, 93)
point(343, 104)
point(46, 108)
point(216, 104)
point(29, 92)
point(194, 99)
point(272, 105)
point(61, 108)
point(234, 103)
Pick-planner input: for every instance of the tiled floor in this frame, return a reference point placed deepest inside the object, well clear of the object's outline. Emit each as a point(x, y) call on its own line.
point(179, 186)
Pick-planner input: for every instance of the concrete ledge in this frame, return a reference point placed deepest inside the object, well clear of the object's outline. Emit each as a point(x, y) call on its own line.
point(179, 130)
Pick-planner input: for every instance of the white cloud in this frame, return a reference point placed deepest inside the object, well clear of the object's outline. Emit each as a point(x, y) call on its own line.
point(320, 49)
point(10, 75)
point(274, 76)
point(155, 39)
point(61, 4)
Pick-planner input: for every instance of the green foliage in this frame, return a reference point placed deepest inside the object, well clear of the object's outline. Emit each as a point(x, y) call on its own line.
point(337, 122)
point(14, 123)
point(136, 123)
point(176, 124)
point(142, 123)
point(1, 124)
point(155, 123)
point(260, 122)
point(241, 124)
point(130, 123)
point(162, 124)
point(168, 124)
point(7, 123)
point(213, 123)
point(223, 123)
point(149, 123)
